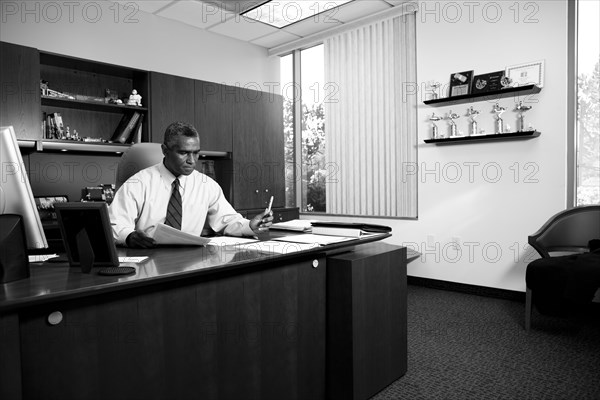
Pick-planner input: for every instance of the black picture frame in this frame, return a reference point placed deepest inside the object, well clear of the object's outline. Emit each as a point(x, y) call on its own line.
point(87, 235)
point(488, 82)
point(460, 83)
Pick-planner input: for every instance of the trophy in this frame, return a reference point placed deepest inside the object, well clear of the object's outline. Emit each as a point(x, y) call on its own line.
point(499, 122)
point(434, 87)
point(522, 109)
point(473, 114)
point(452, 116)
point(434, 129)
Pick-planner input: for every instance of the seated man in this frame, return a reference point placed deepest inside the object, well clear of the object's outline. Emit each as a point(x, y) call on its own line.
point(174, 193)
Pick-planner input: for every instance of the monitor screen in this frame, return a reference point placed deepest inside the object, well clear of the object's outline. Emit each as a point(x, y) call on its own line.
point(86, 233)
point(16, 196)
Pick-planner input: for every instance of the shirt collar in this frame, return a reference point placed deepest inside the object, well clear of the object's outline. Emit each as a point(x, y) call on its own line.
point(168, 177)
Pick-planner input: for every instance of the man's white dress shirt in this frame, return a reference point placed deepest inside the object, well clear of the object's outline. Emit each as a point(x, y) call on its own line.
point(141, 203)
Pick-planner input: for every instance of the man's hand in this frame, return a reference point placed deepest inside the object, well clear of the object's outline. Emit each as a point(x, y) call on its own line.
point(140, 240)
point(262, 222)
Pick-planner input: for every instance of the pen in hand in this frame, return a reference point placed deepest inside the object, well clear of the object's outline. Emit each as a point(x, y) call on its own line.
point(270, 205)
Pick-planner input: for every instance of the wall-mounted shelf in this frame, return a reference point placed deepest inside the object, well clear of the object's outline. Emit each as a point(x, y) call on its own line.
point(88, 105)
point(72, 145)
point(485, 138)
point(486, 96)
point(93, 147)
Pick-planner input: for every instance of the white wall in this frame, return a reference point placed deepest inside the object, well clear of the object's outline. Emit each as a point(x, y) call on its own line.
point(95, 30)
point(504, 190)
point(490, 195)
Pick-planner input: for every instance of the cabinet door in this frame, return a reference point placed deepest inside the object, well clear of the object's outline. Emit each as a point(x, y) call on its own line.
point(171, 100)
point(258, 150)
point(214, 112)
point(20, 104)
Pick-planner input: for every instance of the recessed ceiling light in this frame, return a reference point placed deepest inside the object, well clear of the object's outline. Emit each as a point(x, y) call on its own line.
point(280, 13)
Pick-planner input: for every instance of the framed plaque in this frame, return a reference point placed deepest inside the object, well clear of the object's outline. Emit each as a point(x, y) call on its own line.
point(527, 74)
point(460, 83)
point(487, 82)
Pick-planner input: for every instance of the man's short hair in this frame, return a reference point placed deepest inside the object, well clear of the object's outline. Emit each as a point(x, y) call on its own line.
point(177, 129)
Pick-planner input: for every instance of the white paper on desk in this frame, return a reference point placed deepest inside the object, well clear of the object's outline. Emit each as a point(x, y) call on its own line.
point(278, 247)
point(229, 241)
point(165, 234)
point(298, 225)
point(312, 239)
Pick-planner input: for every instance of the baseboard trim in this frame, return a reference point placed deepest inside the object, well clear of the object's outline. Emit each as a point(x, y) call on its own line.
point(466, 288)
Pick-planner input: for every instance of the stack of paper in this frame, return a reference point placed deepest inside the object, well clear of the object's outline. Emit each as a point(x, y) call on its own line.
point(296, 225)
point(165, 234)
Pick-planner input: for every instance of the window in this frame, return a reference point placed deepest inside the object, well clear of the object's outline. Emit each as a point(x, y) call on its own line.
point(350, 126)
point(305, 171)
point(587, 136)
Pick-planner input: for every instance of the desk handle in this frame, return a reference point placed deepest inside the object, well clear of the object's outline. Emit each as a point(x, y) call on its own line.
point(315, 263)
point(55, 318)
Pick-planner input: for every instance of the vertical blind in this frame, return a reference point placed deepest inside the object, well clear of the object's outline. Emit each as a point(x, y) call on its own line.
point(371, 123)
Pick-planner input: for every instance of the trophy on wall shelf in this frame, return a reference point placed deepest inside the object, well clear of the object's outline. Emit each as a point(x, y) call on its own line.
point(434, 129)
point(434, 87)
point(452, 116)
point(499, 122)
point(521, 108)
point(472, 113)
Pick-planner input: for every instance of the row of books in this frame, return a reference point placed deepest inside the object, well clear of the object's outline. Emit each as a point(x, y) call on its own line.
point(53, 126)
point(129, 129)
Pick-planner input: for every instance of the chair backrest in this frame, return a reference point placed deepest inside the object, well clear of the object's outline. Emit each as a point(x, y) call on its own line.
point(136, 158)
point(568, 230)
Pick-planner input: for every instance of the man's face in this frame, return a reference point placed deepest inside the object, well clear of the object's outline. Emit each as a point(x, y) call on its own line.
point(181, 156)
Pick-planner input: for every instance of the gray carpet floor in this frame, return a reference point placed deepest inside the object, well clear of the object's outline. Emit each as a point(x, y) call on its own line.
point(464, 346)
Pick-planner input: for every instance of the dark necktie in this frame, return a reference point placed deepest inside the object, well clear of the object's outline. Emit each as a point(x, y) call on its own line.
point(174, 209)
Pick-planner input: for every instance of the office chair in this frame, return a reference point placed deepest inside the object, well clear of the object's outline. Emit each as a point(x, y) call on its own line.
point(570, 231)
point(136, 158)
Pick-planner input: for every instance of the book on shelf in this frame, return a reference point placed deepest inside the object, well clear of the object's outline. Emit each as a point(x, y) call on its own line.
point(136, 136)
point(349, 229)
point(125, 127)
point(51, 127)
point(60, 129)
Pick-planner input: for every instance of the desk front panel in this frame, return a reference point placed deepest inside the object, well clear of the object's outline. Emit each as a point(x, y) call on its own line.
point(251, 334)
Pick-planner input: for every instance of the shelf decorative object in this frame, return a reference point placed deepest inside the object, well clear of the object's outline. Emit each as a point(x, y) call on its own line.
point(453, 130)
point(526, 74)
point(460, 83)
point(498, 110)
point(521, 108)
point(487, 82)
point(434, 128)
point(434, 86)
point(472, 114)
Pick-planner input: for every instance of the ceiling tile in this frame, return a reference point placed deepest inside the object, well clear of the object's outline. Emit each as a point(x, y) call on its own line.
point(236, 6)
point(149, 6)
point(243, 28)
point(359, 9)
point(196, 13)
point(310, 25)
point(275, 39)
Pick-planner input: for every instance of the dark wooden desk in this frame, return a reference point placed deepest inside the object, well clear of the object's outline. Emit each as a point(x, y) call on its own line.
point(200, 323)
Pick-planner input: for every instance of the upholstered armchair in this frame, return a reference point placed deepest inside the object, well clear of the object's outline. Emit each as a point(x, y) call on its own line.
point(561, 283)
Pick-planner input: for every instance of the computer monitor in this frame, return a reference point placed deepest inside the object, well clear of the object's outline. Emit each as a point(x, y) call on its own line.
point(16, 196)
point(86, 233)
